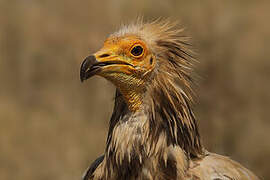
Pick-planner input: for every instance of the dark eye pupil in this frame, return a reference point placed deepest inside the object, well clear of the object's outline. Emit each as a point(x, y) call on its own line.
point(137, 50)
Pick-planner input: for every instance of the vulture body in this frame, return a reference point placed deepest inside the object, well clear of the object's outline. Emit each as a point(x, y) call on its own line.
point(153, 133)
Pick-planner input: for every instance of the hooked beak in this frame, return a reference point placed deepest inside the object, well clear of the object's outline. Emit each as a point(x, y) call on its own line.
point(91, 66)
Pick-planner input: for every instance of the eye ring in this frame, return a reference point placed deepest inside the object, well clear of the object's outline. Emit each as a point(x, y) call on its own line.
point(137, 51)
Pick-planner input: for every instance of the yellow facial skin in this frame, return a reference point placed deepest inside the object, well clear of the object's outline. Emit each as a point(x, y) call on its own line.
point(119, 49)
point(129, 68)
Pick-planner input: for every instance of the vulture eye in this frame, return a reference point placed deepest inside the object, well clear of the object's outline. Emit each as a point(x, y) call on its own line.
point(137, 51)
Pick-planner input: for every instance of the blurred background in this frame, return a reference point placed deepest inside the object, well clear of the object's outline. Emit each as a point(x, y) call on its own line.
point(53, 127)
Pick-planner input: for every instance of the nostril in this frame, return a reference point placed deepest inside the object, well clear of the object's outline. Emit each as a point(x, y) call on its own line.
point(151, 60)
point(104, 55)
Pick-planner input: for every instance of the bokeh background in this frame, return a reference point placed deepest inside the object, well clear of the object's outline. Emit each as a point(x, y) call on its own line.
point(53, 127)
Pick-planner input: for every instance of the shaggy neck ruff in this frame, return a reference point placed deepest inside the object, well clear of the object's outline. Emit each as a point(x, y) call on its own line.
point(163, 129)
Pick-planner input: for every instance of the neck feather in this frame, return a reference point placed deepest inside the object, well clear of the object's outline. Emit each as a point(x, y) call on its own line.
point(161, 111)
point(162, 131)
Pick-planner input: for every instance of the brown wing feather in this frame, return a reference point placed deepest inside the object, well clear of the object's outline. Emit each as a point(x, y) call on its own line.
point(217, 167)
point(91, 169)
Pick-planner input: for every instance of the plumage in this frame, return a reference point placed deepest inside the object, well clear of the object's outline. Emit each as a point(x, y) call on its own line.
point(153, 133)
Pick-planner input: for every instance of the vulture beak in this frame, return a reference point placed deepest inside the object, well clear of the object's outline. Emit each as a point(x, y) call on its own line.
point(103, 65)
point(90, 66)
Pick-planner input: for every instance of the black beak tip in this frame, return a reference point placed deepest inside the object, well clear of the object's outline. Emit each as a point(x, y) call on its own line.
point(81, 78)
point(82, 72)
point(86, 65)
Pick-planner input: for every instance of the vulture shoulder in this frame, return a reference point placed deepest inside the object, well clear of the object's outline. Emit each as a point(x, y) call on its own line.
point(217, 167)
point(91, 169)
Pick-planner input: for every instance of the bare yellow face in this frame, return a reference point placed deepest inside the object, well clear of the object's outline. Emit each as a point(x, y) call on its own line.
point(127, 62)
point(120, 57)
point(133, 56)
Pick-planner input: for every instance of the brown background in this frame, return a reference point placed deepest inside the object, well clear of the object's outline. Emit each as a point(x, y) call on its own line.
point(52, 126)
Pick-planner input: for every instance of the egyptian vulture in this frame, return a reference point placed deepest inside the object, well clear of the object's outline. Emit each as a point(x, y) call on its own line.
point(153, 134)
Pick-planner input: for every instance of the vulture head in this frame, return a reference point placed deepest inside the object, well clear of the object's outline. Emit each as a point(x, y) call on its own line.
point(142, 58)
